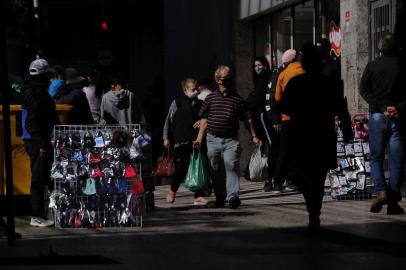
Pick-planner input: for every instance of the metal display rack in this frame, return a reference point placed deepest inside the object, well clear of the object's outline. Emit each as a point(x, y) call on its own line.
point(98, 185)
point(351, 180)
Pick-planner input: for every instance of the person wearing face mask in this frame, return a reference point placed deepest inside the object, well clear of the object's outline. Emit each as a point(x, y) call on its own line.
point(256, 104)
point(119, 105)
point(181, 129)
point(221, 114)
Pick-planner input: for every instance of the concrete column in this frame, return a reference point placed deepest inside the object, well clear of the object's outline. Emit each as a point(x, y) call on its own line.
point(243, 64)
point(355, 47)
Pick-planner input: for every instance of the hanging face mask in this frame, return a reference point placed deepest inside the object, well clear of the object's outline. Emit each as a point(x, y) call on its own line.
point(191, 94)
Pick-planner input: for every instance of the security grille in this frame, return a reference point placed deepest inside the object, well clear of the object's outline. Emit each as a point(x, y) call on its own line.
point(383, 16)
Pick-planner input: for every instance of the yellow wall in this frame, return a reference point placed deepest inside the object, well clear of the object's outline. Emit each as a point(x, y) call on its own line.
point(21, 160)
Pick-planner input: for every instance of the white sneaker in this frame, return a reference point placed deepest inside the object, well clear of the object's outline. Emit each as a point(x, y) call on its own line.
point(40, 222)
point(200, 201)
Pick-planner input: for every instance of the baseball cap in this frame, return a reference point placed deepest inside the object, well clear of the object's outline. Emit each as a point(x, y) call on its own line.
point(38, 66)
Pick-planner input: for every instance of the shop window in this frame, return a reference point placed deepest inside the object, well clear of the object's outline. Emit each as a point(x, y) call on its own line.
point(304, 27)
point(282, 36)
point(263, 45)
point(383, 17)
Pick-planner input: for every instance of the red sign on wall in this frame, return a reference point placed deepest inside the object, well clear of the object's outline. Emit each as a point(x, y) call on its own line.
point(334, 37)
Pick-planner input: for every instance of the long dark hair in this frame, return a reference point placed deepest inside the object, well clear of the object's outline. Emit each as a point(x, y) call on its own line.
point(264, 62)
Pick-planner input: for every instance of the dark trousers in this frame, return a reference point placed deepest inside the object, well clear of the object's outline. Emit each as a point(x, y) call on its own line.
point(181, 156)
point(273, 153)
point(311, 183)
point(270, 140)
point(40, 176)
point(283, 167)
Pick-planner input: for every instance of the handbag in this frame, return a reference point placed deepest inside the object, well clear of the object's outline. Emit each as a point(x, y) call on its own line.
point(165, 166)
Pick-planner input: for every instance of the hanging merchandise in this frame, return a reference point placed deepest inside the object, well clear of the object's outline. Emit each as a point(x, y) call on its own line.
point(97, 176)
point(352, 177)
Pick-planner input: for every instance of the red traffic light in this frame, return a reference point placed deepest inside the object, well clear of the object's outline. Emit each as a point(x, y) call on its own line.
point(104, 26)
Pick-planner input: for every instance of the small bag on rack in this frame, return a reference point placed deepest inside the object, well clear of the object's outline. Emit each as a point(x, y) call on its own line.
point(360, 125)
point(165, 166)
point(137, 187)
point(130, 172)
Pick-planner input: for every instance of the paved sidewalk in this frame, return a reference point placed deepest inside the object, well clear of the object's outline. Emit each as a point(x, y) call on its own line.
point(266, 232)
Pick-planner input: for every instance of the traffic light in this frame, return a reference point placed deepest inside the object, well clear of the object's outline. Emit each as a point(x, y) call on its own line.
point(104, 32)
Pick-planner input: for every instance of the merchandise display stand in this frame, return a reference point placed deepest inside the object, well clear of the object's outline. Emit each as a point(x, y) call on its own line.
point(97, 174)
point(351, 180)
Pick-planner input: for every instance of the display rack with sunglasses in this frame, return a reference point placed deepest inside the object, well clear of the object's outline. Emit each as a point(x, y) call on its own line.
point(351, 180)
point(97, 173)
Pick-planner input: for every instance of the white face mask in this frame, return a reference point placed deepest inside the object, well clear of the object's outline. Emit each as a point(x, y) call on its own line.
point(259, 71)
point(191, 94)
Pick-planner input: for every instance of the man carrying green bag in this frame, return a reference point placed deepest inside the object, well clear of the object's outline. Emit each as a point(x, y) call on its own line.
point(197, 174)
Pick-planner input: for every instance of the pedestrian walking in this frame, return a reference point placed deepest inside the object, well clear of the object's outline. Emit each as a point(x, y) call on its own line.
point(256, 105)
point(57, 80)
point(283, 169)
point(119, 105)
point(386, 102)
point(72, 94)
point(93, 96)
point(205, 88)
point(220, 113)
point(38, 119)
point(312, 137)
point(273, 125)
point(181, 129)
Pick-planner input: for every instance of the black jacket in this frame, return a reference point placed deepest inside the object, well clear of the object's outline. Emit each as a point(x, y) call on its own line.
point(73, 94)
point(256, 102)
point(38, 115)
point(378, 84)
point(271, 106)
point(313, 101)
point(186, 115)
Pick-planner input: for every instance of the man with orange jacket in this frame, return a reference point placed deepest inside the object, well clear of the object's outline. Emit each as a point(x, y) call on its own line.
point(293, 68)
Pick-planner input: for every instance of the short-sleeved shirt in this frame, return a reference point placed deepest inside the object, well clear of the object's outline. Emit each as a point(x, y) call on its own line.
point(223, 113)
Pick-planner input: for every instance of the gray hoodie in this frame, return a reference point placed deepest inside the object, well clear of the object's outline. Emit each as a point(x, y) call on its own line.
point(119, 107)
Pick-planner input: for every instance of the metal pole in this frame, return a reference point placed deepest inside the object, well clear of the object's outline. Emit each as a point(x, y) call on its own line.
point(6, 126)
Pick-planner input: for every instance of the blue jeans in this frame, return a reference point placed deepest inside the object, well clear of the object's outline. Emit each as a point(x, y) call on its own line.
point(224, 155)
point(383, 132)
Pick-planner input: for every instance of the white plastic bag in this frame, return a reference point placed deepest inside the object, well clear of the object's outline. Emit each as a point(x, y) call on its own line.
point(257, 165)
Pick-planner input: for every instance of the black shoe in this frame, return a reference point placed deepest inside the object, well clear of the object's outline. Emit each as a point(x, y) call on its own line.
point(395, 209)
point(378, 202)
point(267, 186)
point(314, 225)
point(219, 203)
point(234, 202)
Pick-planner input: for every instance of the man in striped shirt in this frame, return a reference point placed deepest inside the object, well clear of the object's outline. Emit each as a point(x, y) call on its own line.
point(221, 112)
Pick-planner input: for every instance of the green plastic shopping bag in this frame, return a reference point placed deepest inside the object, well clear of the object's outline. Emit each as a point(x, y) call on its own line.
point(197, 174)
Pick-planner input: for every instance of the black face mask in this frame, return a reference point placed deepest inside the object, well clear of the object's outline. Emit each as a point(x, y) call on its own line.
point(226, 82)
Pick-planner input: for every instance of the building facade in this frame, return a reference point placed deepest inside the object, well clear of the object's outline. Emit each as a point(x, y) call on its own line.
point(352, 26)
